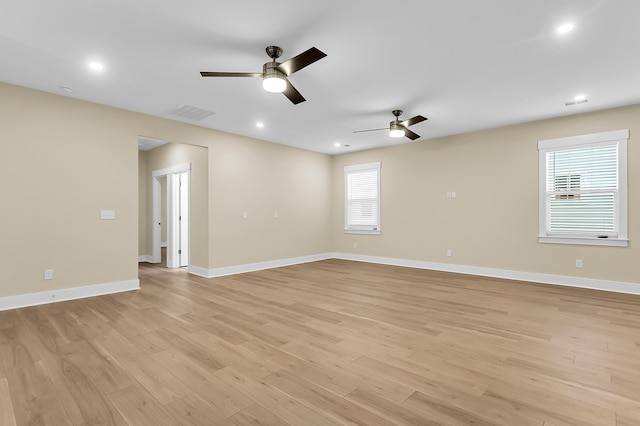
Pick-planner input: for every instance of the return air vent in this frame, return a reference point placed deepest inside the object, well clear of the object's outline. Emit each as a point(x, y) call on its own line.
point(192, 113)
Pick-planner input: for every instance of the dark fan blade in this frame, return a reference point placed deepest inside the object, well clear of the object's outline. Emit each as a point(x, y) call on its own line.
point(370, 130)
point(302, 60)
point(414, 120)
point(413, 136)
point(230, 74)
point(293, 94)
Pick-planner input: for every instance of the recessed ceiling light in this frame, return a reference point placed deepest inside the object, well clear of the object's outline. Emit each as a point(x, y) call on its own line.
point(565, 28)
point(337, 144)
point(260, 124)
point(96, 66)
point(580, 98)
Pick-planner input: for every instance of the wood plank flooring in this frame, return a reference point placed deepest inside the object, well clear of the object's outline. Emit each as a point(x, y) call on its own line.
point(325, 343)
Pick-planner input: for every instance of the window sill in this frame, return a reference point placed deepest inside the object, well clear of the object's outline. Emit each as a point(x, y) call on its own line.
point(363, 231)
point(613, 242)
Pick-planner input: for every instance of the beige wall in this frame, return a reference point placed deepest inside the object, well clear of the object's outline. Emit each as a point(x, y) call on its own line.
point(493, 222)
point(64, 160)
point(262, 179)
point(265, 180)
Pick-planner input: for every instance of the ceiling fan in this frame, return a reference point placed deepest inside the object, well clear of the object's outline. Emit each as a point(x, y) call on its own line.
point(397, 128)
point(274, 74)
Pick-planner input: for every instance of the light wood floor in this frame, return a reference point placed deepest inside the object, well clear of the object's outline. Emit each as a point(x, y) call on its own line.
point(331, 342)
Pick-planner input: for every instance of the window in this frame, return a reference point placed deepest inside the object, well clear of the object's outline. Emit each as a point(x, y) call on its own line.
point(362, 198)
point(583, 189)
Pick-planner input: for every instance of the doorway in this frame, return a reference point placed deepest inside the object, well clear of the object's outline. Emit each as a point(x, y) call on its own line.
point(177, 221)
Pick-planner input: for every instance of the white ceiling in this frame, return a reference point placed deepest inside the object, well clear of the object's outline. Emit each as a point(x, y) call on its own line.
point(465, 64)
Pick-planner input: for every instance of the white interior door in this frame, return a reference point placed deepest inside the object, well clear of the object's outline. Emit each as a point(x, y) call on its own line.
point(178, 220)
point(173, 228)
point(183, 218)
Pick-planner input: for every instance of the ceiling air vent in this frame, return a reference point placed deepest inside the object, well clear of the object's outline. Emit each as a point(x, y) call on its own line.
point(192, 113)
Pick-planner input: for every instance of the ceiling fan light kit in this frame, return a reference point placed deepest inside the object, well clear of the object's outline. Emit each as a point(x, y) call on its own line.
point(396, 130)
point(273, 80)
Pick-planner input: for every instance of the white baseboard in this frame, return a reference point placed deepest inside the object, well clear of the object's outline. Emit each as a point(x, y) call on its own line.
point(51, 296)
point(145, 258)
point(32, 299)
point(163, 244)
point(199, 271)
point(563, 280)
point(250, 267)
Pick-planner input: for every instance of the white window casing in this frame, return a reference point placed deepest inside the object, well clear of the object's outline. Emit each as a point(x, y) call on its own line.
point(583, 189)
point(362, 198)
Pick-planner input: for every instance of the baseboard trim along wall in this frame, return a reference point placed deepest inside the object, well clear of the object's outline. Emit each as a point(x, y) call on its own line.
point(52, 296)
point(251, 267)
point(563, 280)
point(145, 258)
point(32, 299)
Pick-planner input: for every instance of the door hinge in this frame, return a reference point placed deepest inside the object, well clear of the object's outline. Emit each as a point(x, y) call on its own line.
point(179, 251)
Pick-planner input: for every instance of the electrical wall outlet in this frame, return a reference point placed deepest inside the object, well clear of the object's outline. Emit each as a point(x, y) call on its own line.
point(579, 263)
point(48, 274)
point(449, 253)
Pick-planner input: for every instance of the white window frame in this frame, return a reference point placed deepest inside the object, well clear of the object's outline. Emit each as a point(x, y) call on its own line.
point(375, 229)
point(620, 137)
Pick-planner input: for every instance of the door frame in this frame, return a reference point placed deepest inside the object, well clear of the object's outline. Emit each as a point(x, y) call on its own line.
point(156, 256)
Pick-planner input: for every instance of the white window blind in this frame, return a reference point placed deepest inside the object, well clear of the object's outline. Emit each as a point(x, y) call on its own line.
point(583, 189)
point(362, 198)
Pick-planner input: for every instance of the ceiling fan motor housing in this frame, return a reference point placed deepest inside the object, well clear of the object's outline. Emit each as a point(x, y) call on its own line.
point(269, 70)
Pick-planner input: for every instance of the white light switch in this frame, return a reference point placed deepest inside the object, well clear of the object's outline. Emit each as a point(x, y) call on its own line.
point(107, 214)
point(245, 215)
